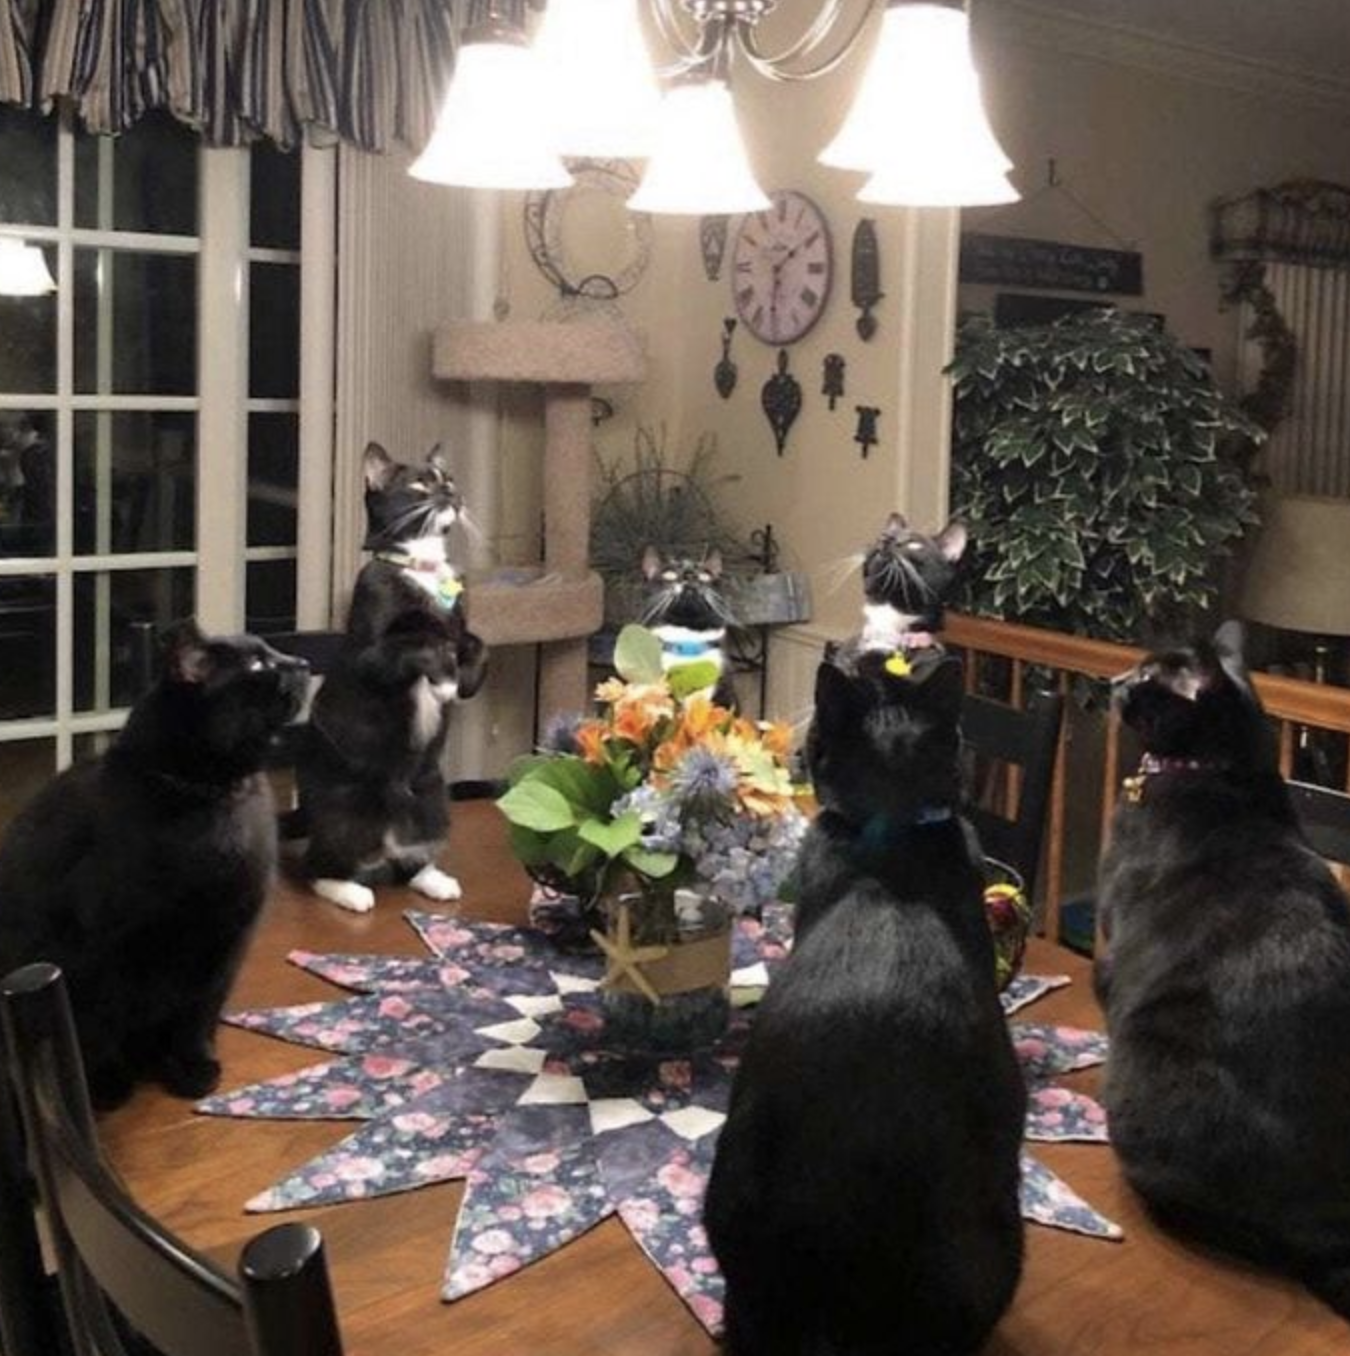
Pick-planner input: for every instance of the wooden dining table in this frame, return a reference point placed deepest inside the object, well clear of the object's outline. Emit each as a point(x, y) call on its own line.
point(599, 1295)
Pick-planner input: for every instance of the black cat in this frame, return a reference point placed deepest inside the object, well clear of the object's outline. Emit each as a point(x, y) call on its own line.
point(864, 1198)
point(1225, 980)
point(372, 791)
point(907, 577)
point(688, 613)
point(141, 873)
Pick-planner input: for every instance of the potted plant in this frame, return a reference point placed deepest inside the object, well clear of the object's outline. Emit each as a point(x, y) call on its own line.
point(1100, 471)
point(659, 819)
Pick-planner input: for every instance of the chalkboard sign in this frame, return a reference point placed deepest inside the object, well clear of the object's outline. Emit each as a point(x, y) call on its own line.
point(1015, 261)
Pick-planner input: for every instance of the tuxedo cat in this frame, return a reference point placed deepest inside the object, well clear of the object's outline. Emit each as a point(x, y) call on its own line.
point(689, 615)
point(864, 1195)
point(141, 873)
point(907, 577)
point(372, 791)
point(1225, 980)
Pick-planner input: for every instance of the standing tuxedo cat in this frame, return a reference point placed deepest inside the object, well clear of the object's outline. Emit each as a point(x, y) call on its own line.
point(1226, 980)
point(372, 790)
point(689, 616)
point(141, 873)
point(907, 576)
point(864, 1196)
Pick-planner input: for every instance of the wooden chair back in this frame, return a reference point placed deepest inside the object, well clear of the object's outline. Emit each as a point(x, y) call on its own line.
point(1325, 816)
point(117, 1266)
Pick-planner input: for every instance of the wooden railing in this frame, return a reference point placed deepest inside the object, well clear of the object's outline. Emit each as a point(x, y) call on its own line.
point(1293, 704)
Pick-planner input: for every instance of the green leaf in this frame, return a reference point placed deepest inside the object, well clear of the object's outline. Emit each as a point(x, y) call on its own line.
point(685, 679)
point(653, 865)
point(615, 837)
point(535, 806)
point(637, 655)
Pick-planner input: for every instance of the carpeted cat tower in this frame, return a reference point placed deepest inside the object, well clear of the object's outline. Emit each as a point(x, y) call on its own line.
point(561, 608)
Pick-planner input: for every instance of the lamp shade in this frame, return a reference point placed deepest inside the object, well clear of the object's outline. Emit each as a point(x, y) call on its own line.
point(918, 123)
point(602, 94)
point(1298, 572)
point(699, 165)
point(23, 270)
point(493, 130)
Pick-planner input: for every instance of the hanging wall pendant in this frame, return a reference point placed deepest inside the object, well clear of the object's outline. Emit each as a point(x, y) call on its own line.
point(866, 435)
point(866, 276)
point(782, 400)
point(834, 377)
point(724, 374)
point(712, 242)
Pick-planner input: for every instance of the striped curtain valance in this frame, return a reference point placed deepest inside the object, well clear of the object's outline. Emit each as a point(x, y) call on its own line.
point(1303, 221)
point(371, 72)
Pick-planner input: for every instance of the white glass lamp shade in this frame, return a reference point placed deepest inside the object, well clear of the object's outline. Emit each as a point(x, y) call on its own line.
point(493, 130)
point(918, 123)
point(602, 96)
point(23, 270)
point(699, 166)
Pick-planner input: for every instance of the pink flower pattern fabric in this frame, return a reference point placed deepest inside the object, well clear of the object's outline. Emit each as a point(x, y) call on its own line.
point(487, 1062)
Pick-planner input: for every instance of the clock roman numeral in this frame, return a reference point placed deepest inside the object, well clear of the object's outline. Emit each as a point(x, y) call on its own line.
point(809, 297)
point(816, 266)
point(810, 240)
point(782, 208)
point(758, 318)
point(746, 295)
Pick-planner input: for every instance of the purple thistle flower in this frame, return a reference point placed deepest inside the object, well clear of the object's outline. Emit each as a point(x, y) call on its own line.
point(560, 734)
point(702, 779)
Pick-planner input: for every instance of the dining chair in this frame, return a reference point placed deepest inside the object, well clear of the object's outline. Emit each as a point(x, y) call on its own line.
point(1325, 816)
point(127, 1284)
point(1011, 822)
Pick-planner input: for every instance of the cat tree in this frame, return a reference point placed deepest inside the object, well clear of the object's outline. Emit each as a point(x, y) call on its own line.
point(564, 605)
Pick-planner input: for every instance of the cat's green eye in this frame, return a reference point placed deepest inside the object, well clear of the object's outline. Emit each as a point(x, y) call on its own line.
point(417, 485)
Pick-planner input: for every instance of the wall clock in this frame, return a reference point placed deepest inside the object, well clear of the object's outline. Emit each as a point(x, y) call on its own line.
point(782, 267)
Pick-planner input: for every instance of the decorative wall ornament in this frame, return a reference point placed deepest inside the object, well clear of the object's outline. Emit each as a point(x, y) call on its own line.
point(833, 383)
point(1268, 402)
point(866, 277)
point(712, 244)
point(1301, 221)
point(725, 373)
point(781, 398)
point(866, 435)
point(558, 250)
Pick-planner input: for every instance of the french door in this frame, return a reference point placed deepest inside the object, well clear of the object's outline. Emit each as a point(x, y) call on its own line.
point(155, 448)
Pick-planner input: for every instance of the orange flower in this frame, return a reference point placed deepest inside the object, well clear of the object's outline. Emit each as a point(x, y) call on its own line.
point(590, 738)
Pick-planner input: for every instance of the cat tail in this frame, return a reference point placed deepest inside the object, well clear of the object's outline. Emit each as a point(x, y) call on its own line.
point(1330, 1282)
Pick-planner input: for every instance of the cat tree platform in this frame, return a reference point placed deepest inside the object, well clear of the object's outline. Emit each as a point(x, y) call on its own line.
point(564, 604)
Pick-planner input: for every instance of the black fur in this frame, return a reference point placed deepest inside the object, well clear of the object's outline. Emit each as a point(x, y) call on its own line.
point(684, 602)
point(141, 873)
point(373, 794)
point(911, 574)
point(864, 1199)
point(1226, 982)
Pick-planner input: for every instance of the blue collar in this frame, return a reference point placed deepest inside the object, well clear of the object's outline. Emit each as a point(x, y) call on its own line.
point(687, 649)
point(880, 831)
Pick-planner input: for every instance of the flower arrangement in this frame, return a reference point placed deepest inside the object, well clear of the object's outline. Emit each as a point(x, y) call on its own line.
point(661, 789)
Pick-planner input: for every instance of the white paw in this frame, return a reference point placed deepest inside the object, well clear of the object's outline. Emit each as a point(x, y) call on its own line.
point(435, 884)
point(346, 894)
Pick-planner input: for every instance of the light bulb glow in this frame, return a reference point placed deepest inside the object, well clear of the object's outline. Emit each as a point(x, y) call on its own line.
point(493, 130)
point(23, 270)
point(699, 165)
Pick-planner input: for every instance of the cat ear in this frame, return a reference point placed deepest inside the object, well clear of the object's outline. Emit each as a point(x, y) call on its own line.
point(712, 563)
point(378, 465)
point(187, 658)
point(895, 525)
point(1230, 642)
point(952, 540)
point(651, 563)
point(436, 460)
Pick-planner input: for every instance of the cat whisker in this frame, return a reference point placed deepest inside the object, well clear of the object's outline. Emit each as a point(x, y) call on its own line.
point(470, 524)
point(839, 572)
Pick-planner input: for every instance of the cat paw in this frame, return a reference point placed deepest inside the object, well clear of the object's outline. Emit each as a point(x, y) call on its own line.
point(435, 884)
point(189, 1077)
point(346, 894)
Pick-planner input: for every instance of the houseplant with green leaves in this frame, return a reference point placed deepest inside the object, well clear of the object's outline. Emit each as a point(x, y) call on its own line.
point(1100, 471)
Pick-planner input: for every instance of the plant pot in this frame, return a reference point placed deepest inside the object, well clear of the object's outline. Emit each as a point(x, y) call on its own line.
point(668, 985)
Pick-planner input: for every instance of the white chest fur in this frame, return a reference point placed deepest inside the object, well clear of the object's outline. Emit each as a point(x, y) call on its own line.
point(429, 701)
point(884, 626)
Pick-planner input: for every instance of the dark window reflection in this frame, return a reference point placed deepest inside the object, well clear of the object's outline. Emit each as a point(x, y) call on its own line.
point(274, 202)
point(273, 477)
point(27, 647)
point(26, 766)
point(274, 331)
point(28, 180)
point(27, 483)
point(153, 179)
point(28, 340)
point(270, 596)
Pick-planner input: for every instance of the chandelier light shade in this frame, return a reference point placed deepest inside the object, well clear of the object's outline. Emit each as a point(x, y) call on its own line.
point(494, 128)
point(918, 124)
point(23, 270)
point(603, 98)
point(699, 165)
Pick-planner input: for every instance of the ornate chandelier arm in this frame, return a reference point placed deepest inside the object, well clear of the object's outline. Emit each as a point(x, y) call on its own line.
point(777, 65)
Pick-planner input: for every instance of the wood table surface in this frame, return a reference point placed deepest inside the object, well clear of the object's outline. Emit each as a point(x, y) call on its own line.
point(1078, 1297)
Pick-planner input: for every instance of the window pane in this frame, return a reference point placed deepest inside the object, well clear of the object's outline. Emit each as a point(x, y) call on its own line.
point(274, 331)
point(274, 198)
point(28, 341)
point(135, 482)
point(148, 302)
point(27, 646)
point(27, 483)
point(28, 184)
point(87, 746)
point(143, 180)
point(270, 600)
point(112, 612)
point(273, 478)
point(26, 766)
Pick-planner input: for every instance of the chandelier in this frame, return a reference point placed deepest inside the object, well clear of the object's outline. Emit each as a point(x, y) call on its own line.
point(584, 86)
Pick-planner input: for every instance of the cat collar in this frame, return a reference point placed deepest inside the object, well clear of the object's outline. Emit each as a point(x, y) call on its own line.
point(1150, 765)
point(448, 584)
